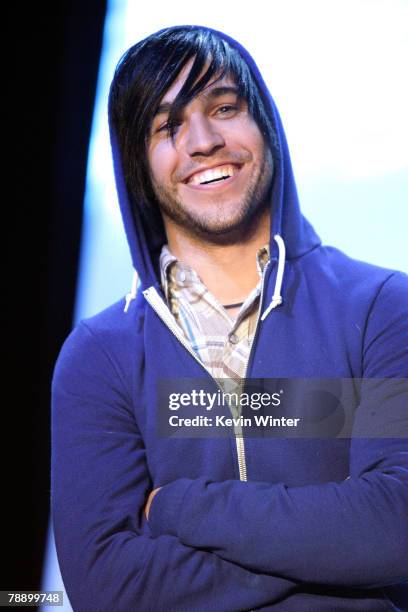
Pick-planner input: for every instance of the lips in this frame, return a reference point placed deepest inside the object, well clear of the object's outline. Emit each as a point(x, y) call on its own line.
point(216, 174)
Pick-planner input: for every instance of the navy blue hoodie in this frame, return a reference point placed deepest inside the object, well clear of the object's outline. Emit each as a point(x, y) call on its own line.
point(296, 524)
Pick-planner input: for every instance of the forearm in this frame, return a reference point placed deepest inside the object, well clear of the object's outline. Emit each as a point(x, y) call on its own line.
point(125, 571)
point(354, 533)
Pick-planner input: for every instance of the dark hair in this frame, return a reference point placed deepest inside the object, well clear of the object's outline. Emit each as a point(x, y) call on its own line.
point(145, 73)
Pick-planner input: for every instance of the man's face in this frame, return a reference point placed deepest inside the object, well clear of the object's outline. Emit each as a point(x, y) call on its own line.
point(215, 175)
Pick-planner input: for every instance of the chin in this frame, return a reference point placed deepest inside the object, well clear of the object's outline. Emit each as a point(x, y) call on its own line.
point(222, 231)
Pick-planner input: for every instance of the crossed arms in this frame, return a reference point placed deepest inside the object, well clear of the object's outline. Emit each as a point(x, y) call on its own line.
point(209, 545)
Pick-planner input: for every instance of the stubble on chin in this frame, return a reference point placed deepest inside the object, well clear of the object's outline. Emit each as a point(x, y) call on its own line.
point(218, 227)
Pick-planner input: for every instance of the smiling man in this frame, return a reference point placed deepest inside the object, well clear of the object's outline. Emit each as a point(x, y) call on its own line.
point(234, 285)
point(211, 171)
point(215, 181)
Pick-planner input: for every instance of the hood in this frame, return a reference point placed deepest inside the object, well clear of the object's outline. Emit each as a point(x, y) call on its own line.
point(287, 221)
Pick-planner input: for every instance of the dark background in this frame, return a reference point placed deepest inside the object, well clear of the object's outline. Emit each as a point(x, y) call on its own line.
point(50, 62)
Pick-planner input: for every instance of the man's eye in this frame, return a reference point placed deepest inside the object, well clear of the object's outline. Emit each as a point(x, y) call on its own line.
point(163, 127)
point(226, 109)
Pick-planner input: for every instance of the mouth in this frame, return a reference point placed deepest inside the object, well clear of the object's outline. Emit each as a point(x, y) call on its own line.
point(213, 176)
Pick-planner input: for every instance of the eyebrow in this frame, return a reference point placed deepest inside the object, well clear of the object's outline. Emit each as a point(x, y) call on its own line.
point(207, 94)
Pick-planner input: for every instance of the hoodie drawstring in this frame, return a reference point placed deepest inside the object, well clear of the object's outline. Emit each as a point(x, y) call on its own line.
point(277, 298)
point(132, 293)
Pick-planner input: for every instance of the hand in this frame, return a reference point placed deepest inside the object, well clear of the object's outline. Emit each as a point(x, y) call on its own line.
point(149, 501)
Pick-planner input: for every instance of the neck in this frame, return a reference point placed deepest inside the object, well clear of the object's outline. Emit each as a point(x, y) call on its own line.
point(228, 270)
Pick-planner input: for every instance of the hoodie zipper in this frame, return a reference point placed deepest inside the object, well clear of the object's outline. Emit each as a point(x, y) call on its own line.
point(239, 440)
point(156, 302)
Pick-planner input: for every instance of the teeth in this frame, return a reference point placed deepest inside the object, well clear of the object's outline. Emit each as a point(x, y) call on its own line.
point(213, 174)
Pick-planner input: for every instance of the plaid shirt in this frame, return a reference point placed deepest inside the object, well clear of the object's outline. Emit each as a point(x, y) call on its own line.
point(223, 345)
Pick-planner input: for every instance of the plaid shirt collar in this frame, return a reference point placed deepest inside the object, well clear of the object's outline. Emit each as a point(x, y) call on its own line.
point(184, 275)
point(221, 342)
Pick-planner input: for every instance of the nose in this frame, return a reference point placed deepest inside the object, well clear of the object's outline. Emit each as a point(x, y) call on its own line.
point(203, 136)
